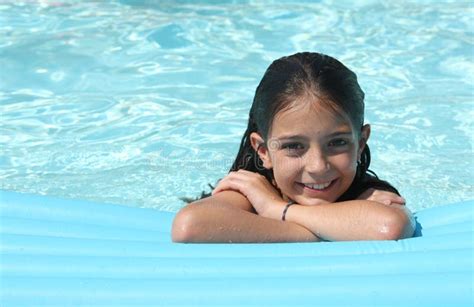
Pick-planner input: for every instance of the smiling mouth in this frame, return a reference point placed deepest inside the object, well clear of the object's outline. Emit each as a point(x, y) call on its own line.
point(317, 186)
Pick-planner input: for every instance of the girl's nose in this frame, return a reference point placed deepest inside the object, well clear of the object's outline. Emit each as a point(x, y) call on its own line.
point(316, 162)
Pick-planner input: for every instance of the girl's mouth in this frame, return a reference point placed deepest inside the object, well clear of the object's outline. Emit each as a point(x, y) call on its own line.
point(317, 187)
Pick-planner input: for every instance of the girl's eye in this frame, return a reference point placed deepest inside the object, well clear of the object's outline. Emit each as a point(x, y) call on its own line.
point(292, 146)
point(338, 143)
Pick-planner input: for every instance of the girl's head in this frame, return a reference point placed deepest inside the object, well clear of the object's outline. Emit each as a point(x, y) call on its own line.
point(306, 127)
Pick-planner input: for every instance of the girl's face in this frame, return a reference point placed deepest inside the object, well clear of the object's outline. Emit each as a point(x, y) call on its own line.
point(313, 153)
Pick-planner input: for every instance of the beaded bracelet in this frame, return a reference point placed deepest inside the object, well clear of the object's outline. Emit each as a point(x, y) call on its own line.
point(290, 203)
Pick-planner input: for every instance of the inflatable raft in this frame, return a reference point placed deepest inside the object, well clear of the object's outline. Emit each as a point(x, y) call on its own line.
point(72, 253)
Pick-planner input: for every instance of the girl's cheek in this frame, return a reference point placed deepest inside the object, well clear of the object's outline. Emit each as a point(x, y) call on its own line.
point(349, 164)
point(345, 161)
point(287, 165)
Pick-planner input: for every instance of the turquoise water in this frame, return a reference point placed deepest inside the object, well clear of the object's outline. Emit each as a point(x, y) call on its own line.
point(141, 102)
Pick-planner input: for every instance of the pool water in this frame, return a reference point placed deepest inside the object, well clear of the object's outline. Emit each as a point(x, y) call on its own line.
point(142, 102)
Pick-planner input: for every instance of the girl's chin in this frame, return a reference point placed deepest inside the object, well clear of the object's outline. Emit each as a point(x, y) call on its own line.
point(304, 201)
point(313, 202)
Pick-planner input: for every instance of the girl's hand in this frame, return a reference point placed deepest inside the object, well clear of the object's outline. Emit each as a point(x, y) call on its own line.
point(383, 197)
point(261, 194)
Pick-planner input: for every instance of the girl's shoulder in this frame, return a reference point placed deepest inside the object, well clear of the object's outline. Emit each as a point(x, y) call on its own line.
point(365, 182)
point(374, 182)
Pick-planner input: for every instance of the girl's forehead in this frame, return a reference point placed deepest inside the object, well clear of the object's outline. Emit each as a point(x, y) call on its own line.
point(301, 114)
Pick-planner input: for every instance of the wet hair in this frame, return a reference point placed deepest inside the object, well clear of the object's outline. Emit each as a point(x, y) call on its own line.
point(291, 78)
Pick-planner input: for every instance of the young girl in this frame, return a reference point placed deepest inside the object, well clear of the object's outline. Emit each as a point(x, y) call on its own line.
point(301, 173)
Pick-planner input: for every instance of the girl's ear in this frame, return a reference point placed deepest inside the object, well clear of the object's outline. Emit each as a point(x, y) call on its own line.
point(258, 144)
point(364, 137)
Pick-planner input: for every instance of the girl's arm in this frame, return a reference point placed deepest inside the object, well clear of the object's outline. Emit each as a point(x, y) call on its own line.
point(360, 219)
point(351, 220)
point(229, 217)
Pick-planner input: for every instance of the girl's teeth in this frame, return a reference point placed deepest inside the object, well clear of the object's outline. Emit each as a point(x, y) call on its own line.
point(318, 186)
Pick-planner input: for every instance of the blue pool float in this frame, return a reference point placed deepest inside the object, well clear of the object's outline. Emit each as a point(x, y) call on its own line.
point(73, 253)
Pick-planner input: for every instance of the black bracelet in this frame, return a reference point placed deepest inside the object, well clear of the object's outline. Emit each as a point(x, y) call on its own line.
point(290, 203)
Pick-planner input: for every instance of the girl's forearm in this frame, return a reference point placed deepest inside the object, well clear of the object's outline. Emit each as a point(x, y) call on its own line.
point(208, 222)
point(354, 220)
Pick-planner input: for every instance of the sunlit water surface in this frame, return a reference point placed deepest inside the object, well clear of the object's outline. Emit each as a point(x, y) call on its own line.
point(141, 102)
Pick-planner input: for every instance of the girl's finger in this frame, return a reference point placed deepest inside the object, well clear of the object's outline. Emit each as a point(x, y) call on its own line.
point(398, 200)
point(228, 183)
point(219, 187)
point(394, 201)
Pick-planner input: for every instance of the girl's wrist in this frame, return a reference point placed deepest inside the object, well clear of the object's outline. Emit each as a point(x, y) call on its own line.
point(275, 210)
point(285, 210)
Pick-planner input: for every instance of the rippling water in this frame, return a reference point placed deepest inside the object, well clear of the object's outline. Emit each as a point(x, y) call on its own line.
point(142, 102)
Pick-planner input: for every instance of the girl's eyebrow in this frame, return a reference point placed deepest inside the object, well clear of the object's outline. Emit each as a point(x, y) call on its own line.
point(302, 137)
point(290, 136)
point(340, 133)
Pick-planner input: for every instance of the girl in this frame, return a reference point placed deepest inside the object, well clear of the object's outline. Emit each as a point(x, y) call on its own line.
point(301, 173)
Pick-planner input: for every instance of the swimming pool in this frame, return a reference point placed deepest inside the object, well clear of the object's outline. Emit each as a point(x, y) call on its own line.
point(140, 102)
